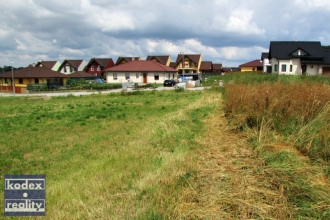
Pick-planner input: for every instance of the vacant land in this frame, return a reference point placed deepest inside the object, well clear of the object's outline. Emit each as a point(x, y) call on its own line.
point(160, 155)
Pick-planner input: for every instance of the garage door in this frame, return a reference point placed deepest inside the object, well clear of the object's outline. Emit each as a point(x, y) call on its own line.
point(326, 70)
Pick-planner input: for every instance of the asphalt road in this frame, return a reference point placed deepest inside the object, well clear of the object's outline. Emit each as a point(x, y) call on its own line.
point(93, 92)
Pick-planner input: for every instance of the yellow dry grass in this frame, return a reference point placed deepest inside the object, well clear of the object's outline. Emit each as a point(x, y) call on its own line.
point(232, 183)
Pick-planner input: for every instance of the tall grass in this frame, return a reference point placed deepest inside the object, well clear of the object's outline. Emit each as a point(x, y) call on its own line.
point(287, 121)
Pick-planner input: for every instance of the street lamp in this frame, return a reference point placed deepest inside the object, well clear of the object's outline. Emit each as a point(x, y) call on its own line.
point(12, 77)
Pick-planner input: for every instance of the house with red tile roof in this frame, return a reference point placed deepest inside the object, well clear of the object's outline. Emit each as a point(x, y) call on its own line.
point(252, 66)
point(122, 60)
point(206, 67)
point(31, 75)
point(96, 66)
point(140, 71)
point(165, 60)
point(70, 66)
point(52, 65)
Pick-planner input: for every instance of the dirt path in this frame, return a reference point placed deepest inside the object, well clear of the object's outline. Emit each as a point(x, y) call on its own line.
point(231, 183)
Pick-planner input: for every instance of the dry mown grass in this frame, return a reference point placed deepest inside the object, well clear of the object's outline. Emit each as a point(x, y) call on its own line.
point(235, 182)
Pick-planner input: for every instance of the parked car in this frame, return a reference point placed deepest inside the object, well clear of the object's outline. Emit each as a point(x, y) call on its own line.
point(169, 83)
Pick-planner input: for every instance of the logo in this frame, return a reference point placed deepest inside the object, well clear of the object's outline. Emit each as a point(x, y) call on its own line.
point(25, 195)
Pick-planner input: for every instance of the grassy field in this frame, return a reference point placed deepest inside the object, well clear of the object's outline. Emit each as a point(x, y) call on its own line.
point(257, 148)
point(105, 156)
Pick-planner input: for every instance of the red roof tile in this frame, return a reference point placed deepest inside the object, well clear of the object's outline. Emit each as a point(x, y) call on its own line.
point(254, 63)
point(161, 59)
point(47, 64)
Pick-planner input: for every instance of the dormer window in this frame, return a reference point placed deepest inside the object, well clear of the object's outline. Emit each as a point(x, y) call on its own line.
point(299, 53)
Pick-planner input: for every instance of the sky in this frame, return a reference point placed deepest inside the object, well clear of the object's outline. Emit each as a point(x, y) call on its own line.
point(230, 32)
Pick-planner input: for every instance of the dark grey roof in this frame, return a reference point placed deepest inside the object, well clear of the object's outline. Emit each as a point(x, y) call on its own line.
point(326, 56)
point(285, 49)
point(264, 55)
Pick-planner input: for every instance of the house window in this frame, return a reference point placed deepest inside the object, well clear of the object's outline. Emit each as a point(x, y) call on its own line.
point(290, 68)
point(299, 53)
point(98, 68)
point(137, 75)
point(115, 76)
point(92, 68)
point(64, 69)
point(275, 68)
point(156, 76)
point(20, 81)
point(127, 76)
point(36, 81)
point(312, 66)
point(283, 67)
point(6, 80)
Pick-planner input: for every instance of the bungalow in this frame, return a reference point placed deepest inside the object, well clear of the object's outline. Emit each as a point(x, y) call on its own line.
point(96, 66)
point(122, 60)
point(30, 76)
point(140, 71)
point(298, 58)
point(165, 60)
point(70, 66)
point(252, 66)
point(206, 67)
point(52, 65)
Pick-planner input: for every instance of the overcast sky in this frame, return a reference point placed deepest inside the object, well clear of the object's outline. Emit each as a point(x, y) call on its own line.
point(230, 32)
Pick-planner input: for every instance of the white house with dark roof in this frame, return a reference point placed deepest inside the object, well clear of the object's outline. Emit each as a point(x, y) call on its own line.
point(71, 66)
point(298, 58)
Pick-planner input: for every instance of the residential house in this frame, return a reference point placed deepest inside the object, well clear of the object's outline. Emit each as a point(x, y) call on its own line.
point(267, 67)
point(188, 63)
point(140, 71)
point(29, 76)
point(122, 60)
point(326, 66)
point(52, 65)
point(298, 58)
point(217, 68)
point(70, 66)
point(165, 60)
point(206, 67)
point(252, 66)
point(96, 66)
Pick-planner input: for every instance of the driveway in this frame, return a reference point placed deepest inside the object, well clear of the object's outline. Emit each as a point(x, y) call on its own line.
point(93, 92)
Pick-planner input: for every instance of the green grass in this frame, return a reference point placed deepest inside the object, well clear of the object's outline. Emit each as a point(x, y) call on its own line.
point(104, 156)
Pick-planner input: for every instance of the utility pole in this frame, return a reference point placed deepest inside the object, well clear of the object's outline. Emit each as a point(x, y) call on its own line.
point(12, 77)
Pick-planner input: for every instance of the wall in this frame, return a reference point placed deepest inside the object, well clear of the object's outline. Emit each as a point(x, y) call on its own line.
point(150, 77)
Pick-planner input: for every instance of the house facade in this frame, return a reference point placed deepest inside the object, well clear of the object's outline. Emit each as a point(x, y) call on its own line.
point(140, 71)
point(188, 63)
point(298, 58)
point(96, 66)
point(70, 66)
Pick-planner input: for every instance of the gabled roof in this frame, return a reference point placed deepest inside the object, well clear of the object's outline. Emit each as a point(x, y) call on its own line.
point(326, 56)
point(103, 62)
point(162, 59)
point(74, 63)
point(254, 63)
point(34, 72)
point(217, 66)
point(206, 66)
point(264, 55)
point(47, 64)
point(80, 74)
point(172, 64)
point(141, 66)
point(285, 49)
point(193, 57)
point(127, 59)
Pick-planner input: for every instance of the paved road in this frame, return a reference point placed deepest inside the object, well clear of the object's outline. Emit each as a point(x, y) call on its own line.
point(93, 92)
